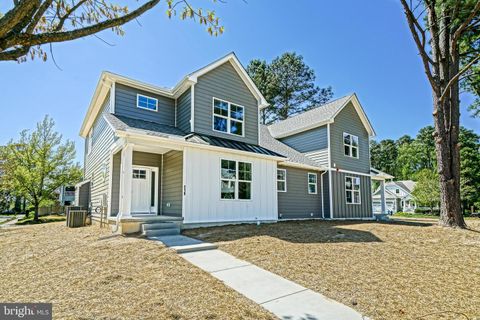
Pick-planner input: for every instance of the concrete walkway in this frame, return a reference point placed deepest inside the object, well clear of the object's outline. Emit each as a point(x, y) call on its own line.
point(282, 297)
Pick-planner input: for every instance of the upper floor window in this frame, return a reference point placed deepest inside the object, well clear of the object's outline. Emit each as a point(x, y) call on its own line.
point(148, 103)
point(350, 144)
point(312, 183)
point(397, 190)
point(228, 117)
point(281, 180)
point(352, 190)
point(236, 180)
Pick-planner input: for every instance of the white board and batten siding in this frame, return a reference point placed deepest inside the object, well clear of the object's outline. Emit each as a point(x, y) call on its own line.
point(202, 202)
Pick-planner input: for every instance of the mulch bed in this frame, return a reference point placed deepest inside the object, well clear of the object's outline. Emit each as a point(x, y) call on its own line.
point(396, 270)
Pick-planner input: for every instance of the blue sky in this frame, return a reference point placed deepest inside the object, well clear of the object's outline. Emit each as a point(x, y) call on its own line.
point(354, 46)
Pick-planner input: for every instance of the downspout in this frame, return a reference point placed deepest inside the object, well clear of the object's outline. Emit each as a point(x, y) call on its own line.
point(321, 182)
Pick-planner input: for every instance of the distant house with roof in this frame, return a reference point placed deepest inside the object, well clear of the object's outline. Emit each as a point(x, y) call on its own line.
point(398, 197)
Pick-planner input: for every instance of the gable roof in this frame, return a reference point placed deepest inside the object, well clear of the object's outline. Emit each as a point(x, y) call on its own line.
point(107, 79)
point(319, 116)
point(405, 185)
point(294, 157)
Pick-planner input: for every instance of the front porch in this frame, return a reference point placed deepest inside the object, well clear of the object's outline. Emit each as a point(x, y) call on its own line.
point(146, 184)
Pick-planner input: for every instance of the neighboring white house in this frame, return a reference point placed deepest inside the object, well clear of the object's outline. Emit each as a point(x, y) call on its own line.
point(398, 197)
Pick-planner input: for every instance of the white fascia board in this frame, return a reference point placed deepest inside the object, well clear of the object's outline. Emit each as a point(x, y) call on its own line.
point(232, 58)
point(361, 113)
point(181, 142)
point(101, 90)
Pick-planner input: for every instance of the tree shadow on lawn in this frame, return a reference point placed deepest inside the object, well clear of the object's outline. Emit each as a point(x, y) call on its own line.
point(291, 231)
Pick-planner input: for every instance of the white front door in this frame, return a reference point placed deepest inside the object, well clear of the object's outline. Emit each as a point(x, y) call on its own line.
point(143, 190)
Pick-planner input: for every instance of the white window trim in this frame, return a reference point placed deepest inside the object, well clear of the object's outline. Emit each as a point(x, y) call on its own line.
point(148, 97)
point(353, 190)
point(236, 180)
point(350, 146)
point(228, 117)
point(285, 180)
point(90, 141)
point(309, 183)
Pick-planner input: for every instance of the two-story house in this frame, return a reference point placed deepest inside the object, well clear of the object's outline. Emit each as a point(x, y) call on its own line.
point(197, 153)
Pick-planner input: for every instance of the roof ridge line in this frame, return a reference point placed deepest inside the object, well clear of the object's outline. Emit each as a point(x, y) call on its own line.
point(314, 108)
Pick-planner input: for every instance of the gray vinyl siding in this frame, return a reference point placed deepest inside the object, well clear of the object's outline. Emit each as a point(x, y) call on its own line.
point(224, 83)
point(351, 211)
point(172, 183)
point(348, 121)
point(98, 161)
point(307, 141)
point(184, 108)
point(297, 202)
point(115, 203)
point(326, 196)
point(126, 105)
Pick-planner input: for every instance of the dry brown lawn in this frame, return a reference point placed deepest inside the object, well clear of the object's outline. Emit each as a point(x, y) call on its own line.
point(398, 270)
point(87, 274)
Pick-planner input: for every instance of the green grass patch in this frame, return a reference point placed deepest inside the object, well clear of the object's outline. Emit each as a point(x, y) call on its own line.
point(44, 219)
point(414, 215)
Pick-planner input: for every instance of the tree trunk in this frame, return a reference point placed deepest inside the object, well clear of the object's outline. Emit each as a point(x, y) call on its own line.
point(446, 119)
point(35, 217)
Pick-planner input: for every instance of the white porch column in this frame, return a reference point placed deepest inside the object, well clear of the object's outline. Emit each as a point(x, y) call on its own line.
point(382, 197)
point(126, 180)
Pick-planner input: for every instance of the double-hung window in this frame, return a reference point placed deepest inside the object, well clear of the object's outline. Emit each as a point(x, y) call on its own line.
point(350, 145)
point(228, 117)
point(312, 183)
point(352, 190)
point(235, 180)
point(281, 180)
point(148, 103)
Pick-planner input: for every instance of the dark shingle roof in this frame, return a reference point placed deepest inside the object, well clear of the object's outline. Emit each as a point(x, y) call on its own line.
point(230, 144)
point(145, 127)
point(165, 131)
point(269, 142)
point(308, 118)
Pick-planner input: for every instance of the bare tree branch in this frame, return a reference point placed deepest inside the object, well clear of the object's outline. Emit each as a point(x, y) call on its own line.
point(37, 39)
point(18, 13)
point(420, 45)
point(454, 78)
point(466, 23)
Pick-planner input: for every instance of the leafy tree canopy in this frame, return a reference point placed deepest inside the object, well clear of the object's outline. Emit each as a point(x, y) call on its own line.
point(406, 157)
point(288, 84)
point(38, 163)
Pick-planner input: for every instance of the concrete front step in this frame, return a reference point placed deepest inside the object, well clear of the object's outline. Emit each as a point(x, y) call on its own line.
point(161, 232)
point(183, 244)
point(159, 225)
